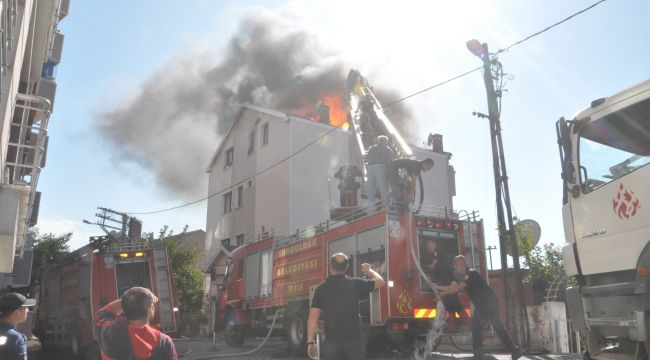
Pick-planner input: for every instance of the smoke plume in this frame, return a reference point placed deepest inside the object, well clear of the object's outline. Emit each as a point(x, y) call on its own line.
point(173, 125)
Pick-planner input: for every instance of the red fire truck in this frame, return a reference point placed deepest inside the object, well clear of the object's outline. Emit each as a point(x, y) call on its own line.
point(281, 273)
point(91, 277)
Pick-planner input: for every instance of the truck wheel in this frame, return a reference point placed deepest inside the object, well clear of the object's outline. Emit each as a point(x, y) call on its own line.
point(297, 333)
point(234, 333)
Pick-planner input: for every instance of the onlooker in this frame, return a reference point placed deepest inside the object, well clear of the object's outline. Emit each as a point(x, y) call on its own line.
point(131, 336)
point(486, 306)
point(378, 156)
point(413, 169)
point(338, 297)
point(14, 308)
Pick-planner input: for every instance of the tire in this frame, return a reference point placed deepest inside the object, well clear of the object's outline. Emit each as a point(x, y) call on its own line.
point(297, 333)
point(234, 334)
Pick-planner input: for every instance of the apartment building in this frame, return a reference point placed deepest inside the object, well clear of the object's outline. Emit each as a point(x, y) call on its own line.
point(30, 51)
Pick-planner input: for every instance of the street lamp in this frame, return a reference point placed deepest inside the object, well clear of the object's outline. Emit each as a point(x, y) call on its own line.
point(475, 47)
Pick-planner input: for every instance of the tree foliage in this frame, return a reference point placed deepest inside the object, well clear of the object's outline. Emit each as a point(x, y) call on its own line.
point(187, 276)
point(47, 248)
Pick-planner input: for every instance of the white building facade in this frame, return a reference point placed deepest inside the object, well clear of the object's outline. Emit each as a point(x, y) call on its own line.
point(30, 51)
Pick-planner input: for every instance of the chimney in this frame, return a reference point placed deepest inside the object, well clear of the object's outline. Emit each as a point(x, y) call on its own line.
point(435, 141)
point(323, 112)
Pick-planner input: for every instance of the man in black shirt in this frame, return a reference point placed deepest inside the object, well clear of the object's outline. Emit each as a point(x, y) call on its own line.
point(413, 168)
point(338, 297)
point(486, 306)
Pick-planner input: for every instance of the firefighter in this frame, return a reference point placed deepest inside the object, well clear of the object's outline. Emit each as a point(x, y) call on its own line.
point(131, 336)
point(338, 297)
point(486, 306)
point(378, 156)
point(413, 168)
point(13, 311)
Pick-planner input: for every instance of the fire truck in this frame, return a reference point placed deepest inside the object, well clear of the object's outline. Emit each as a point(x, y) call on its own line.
point(281, 273)
point(77, 286)
point(604, 153)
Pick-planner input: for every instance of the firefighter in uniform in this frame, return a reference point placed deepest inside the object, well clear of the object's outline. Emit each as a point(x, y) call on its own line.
point(13, 311)
point(486, 306)
point(338, 297)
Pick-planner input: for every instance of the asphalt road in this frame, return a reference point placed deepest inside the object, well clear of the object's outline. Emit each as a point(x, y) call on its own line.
point(276, 348)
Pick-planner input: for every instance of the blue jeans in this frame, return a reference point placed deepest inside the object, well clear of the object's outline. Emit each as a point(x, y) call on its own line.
point(377, 180)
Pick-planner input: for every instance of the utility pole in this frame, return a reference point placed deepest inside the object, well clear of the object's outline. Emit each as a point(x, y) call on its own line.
point(489, 249)
point(502, 190)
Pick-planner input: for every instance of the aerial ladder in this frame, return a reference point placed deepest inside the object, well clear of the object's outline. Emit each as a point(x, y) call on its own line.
point(368, 120)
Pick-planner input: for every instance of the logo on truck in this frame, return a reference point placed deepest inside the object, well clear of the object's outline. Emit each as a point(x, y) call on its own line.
point(625, 204)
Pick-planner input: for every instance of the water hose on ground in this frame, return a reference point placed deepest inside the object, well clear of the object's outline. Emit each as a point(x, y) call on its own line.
point(248, 352)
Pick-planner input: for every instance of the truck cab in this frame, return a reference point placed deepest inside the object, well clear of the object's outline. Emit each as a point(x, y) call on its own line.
point(604, 153)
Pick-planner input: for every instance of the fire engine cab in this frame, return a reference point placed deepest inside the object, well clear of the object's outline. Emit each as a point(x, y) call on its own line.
point(282, 272)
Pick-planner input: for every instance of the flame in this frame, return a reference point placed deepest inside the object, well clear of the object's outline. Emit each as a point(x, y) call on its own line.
point(338, 110)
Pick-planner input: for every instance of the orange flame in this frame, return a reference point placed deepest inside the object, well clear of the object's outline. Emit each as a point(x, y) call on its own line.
point(338, 110)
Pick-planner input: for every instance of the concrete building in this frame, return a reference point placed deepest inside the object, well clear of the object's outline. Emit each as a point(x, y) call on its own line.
point(273, 174)
point(30, 51)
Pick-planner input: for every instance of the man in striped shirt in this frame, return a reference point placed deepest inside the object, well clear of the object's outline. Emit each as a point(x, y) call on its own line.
point(378, 156)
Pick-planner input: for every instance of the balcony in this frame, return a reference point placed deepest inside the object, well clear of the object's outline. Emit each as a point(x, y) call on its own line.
point(64, 6)
point(57, 48)
point(47, 90)
point(25, 159)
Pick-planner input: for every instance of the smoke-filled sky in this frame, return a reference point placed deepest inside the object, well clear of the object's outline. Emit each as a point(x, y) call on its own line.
point(142, 96)
point(183, 108)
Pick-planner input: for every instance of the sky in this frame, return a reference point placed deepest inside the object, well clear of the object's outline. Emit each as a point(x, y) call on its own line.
point(113, 48)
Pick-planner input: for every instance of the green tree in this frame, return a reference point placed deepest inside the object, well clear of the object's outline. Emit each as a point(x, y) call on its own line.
point(187, 276)
point(47, 247)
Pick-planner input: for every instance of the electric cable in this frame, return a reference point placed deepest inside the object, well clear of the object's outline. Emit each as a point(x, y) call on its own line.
point(383, 107)
point(286, 158)
point(496, 53)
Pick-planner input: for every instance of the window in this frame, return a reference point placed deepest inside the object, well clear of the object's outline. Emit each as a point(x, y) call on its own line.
point(240, 240)
point(230, 156)
point(240, 196)
point(266, 284)
point(225, 243)
point(251, 142)
point(240, 269)
point(227, 202)
point(265, 134)
point(614, 146)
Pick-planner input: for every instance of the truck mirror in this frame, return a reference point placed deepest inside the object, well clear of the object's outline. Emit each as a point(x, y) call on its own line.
point(575, 191)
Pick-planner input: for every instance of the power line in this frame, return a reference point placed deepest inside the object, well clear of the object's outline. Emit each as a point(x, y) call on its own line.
point(551, 26)
point(286, 158)
point(384, 106)
point(498, 52)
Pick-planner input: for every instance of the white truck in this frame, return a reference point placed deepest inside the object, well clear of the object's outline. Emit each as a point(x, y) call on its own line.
point(604, 152)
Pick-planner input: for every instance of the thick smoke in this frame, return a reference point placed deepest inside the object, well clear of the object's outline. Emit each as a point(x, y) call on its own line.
point(172, 127)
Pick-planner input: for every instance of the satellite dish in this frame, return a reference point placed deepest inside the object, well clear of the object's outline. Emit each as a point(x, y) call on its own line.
point(528, 235)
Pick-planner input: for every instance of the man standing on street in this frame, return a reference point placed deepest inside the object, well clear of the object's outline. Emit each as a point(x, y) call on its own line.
point(378, 156)
point(486, 306)
point(131, 337)
point(338, 297)
point(13, 311)
point(413, 168)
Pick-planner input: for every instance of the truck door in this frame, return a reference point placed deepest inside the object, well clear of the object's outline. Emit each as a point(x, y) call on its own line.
point(608, 214)
point(371, 249)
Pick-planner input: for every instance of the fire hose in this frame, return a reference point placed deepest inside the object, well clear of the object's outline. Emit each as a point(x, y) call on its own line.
point(248, 352)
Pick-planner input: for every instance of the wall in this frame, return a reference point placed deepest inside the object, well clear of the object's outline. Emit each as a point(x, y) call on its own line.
point(311, 169)
point(548, 323)
point(436, 181)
